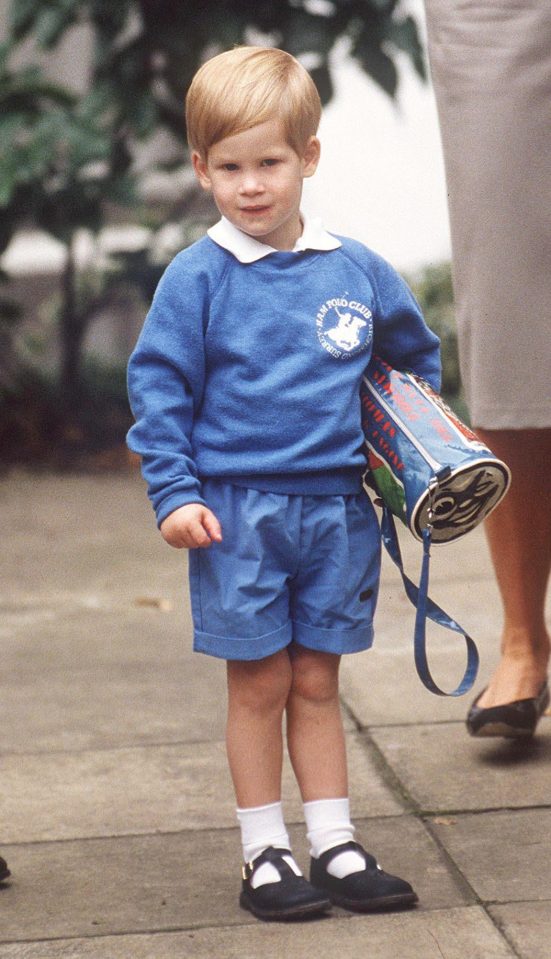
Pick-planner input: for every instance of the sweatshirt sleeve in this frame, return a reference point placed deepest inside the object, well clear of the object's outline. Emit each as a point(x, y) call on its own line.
point(166, 373)
point(401, 336)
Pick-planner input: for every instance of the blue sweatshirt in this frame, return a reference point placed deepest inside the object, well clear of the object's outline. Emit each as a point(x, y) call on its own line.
point(250, 371)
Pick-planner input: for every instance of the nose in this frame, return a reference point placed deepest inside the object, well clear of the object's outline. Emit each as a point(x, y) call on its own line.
point(250, 185)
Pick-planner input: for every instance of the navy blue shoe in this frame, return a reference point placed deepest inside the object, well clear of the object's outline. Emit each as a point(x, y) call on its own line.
point(512, 720)
point(364, 891)
point(4, 871)
point(291, 898)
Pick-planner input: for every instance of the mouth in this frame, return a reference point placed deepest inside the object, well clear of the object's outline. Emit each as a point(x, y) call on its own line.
point(255, 209)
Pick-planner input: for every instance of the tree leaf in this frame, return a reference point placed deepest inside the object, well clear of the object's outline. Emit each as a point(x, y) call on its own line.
point(306, 33)
point(405, 36)
point(8, 182)
point(52, 22)
point(22, 15)
point(322, 78)
point(378, 65)
point(110, 18)
point(5, 49)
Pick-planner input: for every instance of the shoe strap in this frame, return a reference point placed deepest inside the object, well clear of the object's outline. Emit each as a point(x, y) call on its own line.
point(275, 857)
point(351, 846)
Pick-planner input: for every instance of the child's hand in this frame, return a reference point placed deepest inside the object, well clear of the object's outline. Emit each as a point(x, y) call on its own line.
point(192, 526)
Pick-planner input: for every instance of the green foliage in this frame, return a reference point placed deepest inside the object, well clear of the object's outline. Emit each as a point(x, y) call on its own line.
point(60, 159)
point(434, 291)
point(67, 158)
point(146, 51)
point(34, 429)
point(25, 102)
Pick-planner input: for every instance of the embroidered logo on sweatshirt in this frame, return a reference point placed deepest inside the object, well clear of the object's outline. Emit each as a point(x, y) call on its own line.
point(345, 327)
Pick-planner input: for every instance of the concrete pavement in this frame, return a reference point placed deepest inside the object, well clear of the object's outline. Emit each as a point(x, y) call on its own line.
point(116, 810)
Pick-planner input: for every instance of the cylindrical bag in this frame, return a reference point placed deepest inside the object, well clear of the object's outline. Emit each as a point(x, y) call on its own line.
point(432, 472)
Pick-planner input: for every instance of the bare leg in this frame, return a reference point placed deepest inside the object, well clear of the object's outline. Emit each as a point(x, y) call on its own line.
point(519, 536)
point(257, 694)
point(315, 732)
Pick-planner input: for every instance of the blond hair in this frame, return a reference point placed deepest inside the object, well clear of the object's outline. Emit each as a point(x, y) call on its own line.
point(243, 87)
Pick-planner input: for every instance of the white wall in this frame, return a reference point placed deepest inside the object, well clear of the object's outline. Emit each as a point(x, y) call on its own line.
point(381, 177)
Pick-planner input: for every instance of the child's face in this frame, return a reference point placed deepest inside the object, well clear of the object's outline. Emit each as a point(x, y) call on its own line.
point(256, 181)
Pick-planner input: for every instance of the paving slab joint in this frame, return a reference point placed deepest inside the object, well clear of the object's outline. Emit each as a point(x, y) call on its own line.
point(383, 767)
point(459, 877)
point(500, 929)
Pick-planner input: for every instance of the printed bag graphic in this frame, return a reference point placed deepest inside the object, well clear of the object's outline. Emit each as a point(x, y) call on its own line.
point(422, 457)
point(435, 475)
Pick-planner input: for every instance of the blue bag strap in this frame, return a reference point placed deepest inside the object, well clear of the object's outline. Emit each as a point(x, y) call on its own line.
point(427, 608)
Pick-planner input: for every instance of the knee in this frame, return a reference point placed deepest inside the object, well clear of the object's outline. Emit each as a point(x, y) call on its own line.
point(315, 677)
point(261, 686)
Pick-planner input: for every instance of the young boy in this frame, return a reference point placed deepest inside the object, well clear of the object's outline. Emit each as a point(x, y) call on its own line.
point(245, 389)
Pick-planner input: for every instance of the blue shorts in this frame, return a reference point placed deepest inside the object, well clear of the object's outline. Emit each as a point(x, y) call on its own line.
point(301, 569)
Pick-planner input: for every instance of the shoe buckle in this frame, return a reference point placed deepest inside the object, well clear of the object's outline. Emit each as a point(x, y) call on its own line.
point(247, 871)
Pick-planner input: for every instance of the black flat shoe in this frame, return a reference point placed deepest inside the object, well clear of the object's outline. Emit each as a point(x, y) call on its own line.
point(363, 891)
point(291, 898)
point(4, 871)
point(512, 720)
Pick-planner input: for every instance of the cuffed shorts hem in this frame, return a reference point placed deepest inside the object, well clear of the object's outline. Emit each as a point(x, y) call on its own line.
point(339, 642)
point(335, 641)
point(254, 647)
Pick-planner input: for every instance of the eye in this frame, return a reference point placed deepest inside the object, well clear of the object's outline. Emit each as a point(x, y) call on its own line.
point(270, 161)
point(229, 167)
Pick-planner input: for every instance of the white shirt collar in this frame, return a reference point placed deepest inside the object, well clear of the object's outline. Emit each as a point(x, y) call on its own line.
point(249, 250)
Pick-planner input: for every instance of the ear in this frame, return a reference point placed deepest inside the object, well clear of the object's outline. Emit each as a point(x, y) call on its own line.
point(201, 170)
point(311, 157)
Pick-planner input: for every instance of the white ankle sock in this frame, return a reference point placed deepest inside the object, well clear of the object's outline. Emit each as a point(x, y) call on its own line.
point(263, 826)
point(328, 824)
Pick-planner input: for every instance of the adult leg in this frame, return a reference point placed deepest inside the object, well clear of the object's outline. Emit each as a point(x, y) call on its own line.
point(519, 536)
